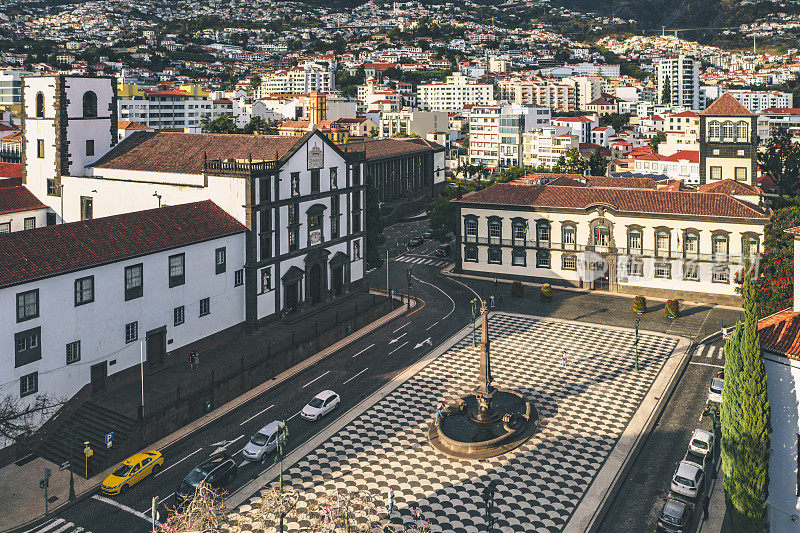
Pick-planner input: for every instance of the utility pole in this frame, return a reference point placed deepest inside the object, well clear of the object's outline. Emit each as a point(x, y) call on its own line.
point(388, 294)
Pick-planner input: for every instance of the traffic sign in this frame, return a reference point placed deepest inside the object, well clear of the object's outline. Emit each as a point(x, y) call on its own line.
point(88, 451)
point(109, 439)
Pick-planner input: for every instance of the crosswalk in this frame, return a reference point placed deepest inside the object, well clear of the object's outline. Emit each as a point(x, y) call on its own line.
point(57, 525)
point(707, 351)
point(422, 260)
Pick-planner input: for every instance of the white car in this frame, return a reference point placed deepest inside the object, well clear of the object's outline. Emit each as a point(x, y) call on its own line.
point(702, 442)
point(687, 479)
point(320, 405)
point(715, 390)
point(263, 443)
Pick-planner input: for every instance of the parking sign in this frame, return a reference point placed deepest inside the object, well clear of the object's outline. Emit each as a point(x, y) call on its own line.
point(109, 439)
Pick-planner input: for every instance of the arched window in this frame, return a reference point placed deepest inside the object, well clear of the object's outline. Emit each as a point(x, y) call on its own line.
point(39, 105)
point(542, 259)
point(727, 130)
point(713, 130)
point(471, 254)
point(495, 231)
point(662, 243)
point(750, 245)
point(741, 131)
point(569, 262)
point(89, 104)
point(471, 229)
point(495, 255)
point(519, 257)
point(602, 236)
point(519, 230)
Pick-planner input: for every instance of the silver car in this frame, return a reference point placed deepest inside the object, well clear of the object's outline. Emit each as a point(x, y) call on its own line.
point(687, 479)
point(262, 443)
point(715, 390)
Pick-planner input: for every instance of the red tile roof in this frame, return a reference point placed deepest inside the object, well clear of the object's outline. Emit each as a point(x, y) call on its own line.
point(623, 200)
point(575, 180)
point(17, 199)
point(182, 153)
point(130, 125)
point(52, 250)
point(11, 170)
point(686, 114)
point(728, 106)
point(780, 333)
point(381, 148)
point(731, 187)
point(625, 183)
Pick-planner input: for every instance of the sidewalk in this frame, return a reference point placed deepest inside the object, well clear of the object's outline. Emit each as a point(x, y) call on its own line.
point(716, 507)
point(696, 320)
point(23, 504)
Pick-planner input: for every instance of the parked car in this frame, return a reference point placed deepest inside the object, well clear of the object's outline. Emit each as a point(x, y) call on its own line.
point(415, 241)
point(443, 250)
point(131, 471)
point(320, 405)
point(715, 390)
point(676, 515)
point(217, 471)
point(702, 442)
point(264, 442)
point(687, 479)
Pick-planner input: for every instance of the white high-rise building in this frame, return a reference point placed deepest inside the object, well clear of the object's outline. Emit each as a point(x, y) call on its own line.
point(454, 93)
point(298, 80)
point(682, 75)
point(496, 133)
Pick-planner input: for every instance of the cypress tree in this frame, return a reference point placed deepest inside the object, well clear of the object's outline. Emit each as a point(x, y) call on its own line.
point(745, 420)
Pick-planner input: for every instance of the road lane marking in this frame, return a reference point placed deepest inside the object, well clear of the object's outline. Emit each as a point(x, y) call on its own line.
point(401, 327)
point(316, 378)
point(364, 350)
point(440, 290)
point(182, 460)
point(390, 353)
point(398, 338)
point(705, 364)
point(294, 415)
point(700, 349)
point(162, 500)
point(429, 327)
point(47, 526)
point(118, 505)
point(65, 527)
point(258, 413)
point(354, 377)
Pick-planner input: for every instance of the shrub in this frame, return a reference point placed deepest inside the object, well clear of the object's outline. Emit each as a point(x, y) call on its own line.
point(546, 292)
point(672, 308)
point(517, 289)
point(640, 304)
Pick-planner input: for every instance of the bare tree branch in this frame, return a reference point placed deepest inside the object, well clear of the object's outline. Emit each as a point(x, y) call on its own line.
point(20, 416)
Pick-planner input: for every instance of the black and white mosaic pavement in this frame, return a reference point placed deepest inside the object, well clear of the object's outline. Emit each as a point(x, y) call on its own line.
point(583, 407)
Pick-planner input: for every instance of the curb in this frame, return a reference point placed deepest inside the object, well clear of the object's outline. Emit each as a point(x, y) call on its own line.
point(221, 411)
point(644, 434)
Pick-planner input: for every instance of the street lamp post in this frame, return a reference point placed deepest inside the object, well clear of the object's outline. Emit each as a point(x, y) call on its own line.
point(636, 344)
point(71, 437)
point(488, 500)
point(474, 303)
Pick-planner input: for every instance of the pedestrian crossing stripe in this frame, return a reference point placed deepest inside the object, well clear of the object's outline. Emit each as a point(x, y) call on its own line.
point(422, 261)
point(58, 525)
point(709, 352)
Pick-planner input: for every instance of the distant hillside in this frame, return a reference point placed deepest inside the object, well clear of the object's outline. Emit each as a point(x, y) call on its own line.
point(652, 14)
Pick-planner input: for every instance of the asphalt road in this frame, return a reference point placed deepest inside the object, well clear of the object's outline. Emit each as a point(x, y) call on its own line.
point(354, 372)
point(638, 503)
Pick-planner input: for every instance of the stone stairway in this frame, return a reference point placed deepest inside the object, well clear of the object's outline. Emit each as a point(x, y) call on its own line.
point(90, 423)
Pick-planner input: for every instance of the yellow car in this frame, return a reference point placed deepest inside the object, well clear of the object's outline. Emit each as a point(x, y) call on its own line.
point(132, 470)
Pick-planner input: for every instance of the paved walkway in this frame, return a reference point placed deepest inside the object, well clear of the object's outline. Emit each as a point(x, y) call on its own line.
point(585, 411)
point(696, 320)
point(23, 500)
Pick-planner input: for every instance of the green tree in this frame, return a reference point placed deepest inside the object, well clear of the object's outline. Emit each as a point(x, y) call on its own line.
point(255, 82)
point(443, 214)
point(657, 139)
point(256, 125)
point(221, 124)
point(615, 120)
point(571, 162)
point(666, 96)
point(781, 162)
point(598, 163)
point(745, 420)
point(374, 224)
point(774, 286)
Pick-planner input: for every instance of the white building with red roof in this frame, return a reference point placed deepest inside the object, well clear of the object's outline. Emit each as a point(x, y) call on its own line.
point(629, 239)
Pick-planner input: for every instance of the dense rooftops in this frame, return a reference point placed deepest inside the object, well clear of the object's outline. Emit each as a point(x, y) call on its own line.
point(51, 250)
point(17, 199)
